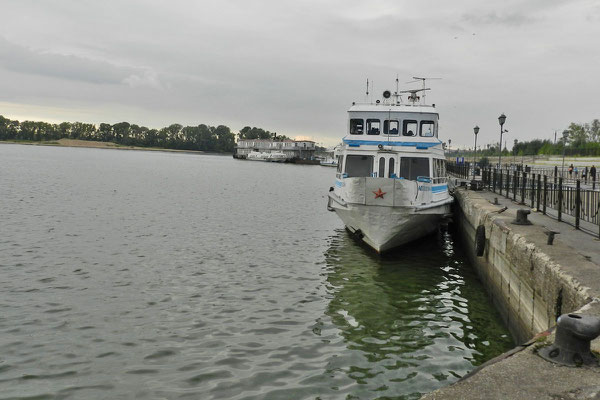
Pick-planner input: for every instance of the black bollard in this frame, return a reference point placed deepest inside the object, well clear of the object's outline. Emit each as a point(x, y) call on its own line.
point(522, 217)
point(571, 346)
point(551, 235)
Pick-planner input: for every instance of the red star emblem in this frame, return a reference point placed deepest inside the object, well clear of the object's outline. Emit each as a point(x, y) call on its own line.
point(379, 193)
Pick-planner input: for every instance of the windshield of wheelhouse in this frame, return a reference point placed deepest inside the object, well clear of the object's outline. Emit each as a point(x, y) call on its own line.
point(358, 165)
point(413, 167)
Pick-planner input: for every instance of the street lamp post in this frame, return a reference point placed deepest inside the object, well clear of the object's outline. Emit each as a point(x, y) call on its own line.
point(501, 119)
point(476, 131)
point(564, 140)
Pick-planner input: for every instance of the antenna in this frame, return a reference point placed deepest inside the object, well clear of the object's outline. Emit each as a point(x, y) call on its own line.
point(397, 98)
point(417, 79)
point(367, 98)
point(372, 83)
point(412, 97)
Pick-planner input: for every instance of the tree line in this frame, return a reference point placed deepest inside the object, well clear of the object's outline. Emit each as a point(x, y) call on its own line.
point(576, 140)
point(175, 136)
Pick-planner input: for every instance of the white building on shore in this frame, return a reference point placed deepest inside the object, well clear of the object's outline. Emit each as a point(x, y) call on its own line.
point(293, 149)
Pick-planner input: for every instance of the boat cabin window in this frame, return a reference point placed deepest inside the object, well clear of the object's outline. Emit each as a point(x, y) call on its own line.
point(381, 167)
point(412, 167)
point(390, 127)
point(358, 166)
point(391, 173)
point(409, 128)
point(427, 128)
point(439, 168)
point(339, 165)
point(356, 126)
point(373, 126)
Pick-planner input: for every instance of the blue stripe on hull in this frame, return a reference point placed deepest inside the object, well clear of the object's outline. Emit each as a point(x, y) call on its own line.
point(438, 189)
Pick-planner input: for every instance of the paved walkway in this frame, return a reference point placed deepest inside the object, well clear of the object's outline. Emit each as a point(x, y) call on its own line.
point(584, 240)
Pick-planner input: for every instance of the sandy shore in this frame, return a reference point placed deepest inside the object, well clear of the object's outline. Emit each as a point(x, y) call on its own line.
point(102, 145)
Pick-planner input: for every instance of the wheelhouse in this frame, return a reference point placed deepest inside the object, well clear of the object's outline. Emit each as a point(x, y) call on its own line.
point(392, 141)
point(392, 124)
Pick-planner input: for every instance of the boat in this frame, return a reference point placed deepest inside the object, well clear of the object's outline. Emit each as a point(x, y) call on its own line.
point(256, 156)
point(391, 186)
point(276, 156)
point(329, 162)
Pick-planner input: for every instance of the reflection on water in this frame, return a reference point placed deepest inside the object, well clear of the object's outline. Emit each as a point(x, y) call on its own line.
point(414, 320)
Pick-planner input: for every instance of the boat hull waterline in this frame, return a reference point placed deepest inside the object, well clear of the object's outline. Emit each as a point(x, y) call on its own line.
point(384, 228)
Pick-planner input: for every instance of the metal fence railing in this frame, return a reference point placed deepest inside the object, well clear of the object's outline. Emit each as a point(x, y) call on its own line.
point(542, 191)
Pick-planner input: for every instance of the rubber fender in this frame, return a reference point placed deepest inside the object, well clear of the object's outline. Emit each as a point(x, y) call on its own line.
point(329, 208)
point(480, 240)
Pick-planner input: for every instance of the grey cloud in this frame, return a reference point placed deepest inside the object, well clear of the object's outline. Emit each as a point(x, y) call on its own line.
point(24, 60)
point(295, 67)
point(513, 19)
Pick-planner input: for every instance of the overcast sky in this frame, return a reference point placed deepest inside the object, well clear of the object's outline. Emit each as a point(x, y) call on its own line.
point(295, 67)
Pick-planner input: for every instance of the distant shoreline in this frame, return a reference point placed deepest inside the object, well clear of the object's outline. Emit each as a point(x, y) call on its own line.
point(102, 145)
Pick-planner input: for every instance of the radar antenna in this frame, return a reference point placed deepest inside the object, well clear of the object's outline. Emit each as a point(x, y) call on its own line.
point(412, 97)
point(419, 79)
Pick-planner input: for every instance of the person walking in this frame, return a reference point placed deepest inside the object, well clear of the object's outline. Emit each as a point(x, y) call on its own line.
point(593, 175)
point(584, 173)
point(576, 172)
point(571, 171)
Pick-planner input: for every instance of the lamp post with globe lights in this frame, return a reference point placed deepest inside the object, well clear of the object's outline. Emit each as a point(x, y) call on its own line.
point(476, 131)
point(501, 120)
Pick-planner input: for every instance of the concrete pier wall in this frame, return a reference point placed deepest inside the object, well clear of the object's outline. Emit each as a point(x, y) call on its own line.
point(518, 268)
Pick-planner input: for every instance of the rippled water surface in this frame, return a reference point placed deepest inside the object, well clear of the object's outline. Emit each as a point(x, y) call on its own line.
point(152, 275)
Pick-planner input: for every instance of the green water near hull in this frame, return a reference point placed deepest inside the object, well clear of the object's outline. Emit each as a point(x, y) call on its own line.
point(413, 320)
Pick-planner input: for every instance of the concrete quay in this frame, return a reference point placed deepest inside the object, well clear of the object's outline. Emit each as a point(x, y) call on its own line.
point(531, 283)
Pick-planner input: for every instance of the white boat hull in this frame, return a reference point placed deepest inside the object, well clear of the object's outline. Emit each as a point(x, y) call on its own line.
point(383, 228)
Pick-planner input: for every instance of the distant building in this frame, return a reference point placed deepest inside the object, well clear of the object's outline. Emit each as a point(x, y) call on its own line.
point(293, 149)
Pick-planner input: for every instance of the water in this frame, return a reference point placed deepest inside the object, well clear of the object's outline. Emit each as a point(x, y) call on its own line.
point(154, 275)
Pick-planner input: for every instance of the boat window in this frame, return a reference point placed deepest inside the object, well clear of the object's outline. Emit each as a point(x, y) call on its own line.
point(438, 168)
point(373, 126)
point(409, 128)
point(412, 167)
point(356, 126)
point(381, 167)
point(357, 166)
point(427, 128)
point(391, 173)
point(390, 127)
point(339, 161)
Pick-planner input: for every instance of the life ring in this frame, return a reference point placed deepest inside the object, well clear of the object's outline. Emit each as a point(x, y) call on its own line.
point(480, 240)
